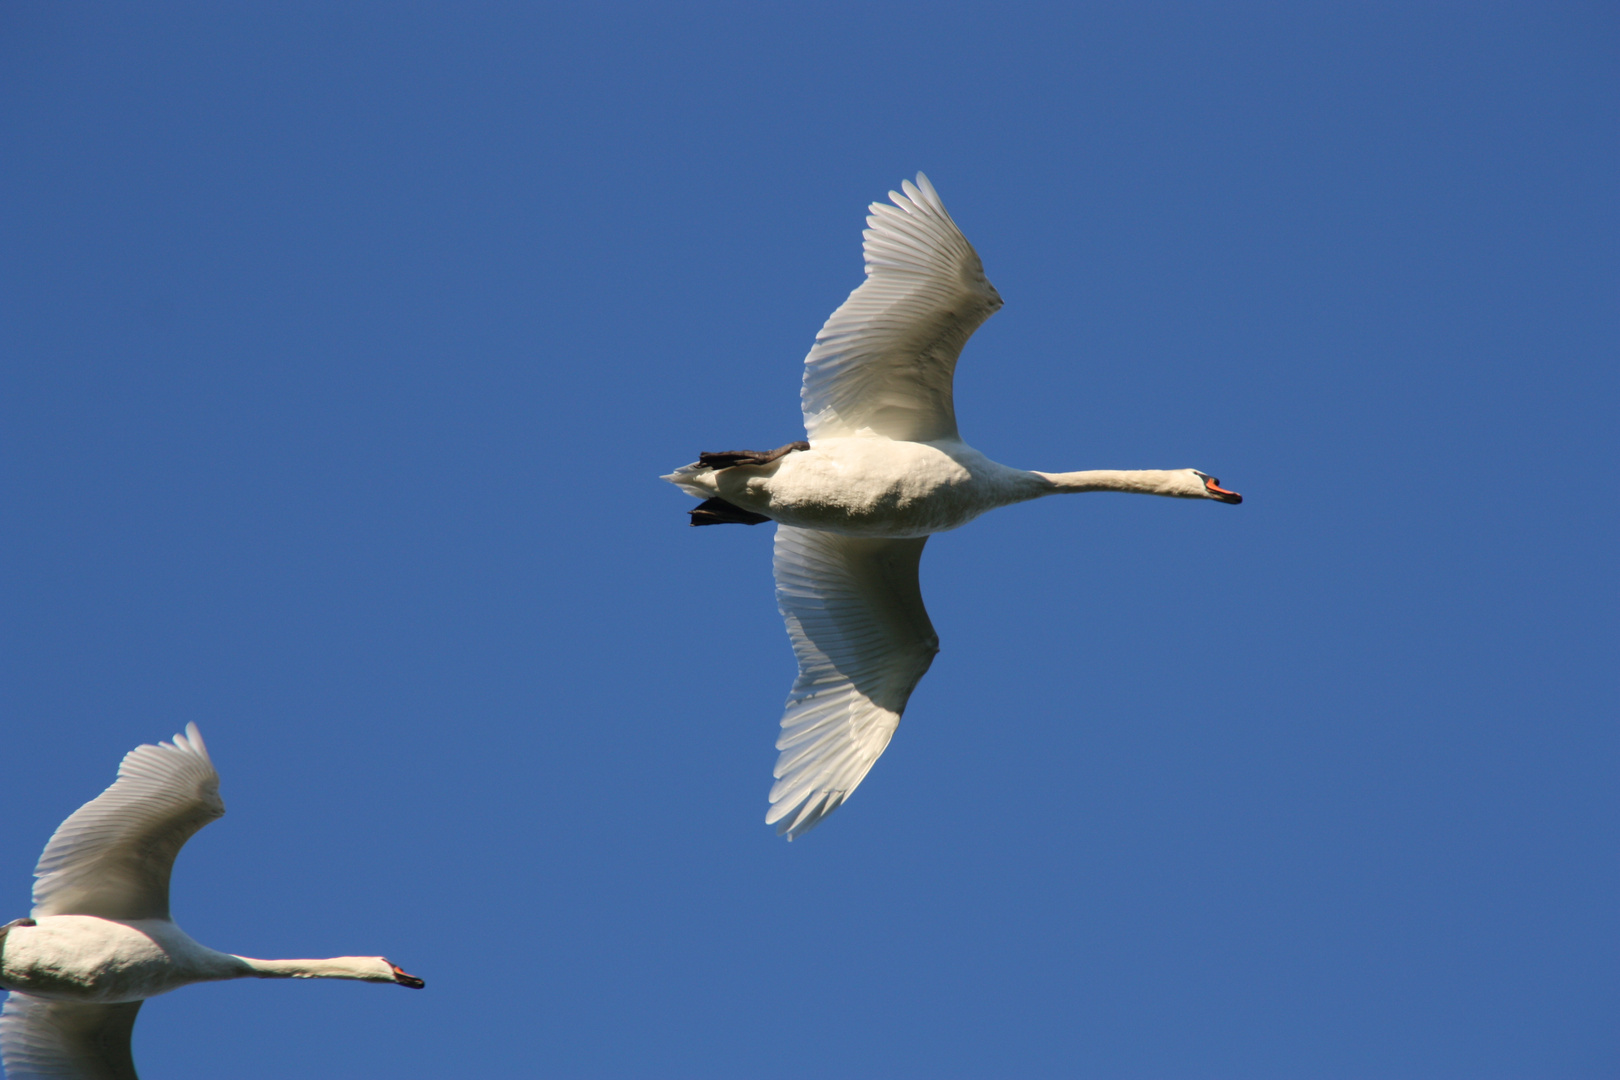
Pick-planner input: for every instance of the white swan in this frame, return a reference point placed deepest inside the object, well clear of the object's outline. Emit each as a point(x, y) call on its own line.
point(883, 469)
point(101, 941)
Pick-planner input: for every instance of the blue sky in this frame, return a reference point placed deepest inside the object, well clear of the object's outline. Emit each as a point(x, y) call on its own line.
point(344, 346)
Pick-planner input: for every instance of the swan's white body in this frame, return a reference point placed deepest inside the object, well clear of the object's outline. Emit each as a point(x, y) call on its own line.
point(885, 469)
point(871, 486)
point(878, 487)
point(100, 940)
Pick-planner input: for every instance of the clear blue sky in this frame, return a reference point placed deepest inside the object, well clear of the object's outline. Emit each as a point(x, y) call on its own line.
point(344, 345)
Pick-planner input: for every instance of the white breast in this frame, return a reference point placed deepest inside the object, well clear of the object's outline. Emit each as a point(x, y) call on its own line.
point(86, 959)
point(873, 486)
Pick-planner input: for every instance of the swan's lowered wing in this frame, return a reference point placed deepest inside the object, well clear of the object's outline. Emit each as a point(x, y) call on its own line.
point(885, 359)
point(56, 1040)
point(863, 640)
point(112, 857)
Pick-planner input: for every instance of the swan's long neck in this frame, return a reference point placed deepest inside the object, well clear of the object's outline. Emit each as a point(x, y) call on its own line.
point(367, 968)
point(1172, 482)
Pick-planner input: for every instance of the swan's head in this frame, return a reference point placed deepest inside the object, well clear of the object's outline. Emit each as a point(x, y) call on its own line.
point(397, 974)
point(1210, 488)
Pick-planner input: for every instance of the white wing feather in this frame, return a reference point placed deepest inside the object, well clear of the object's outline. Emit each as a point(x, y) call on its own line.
point(113, 856)
point(855, 614)
point(885, 359)
point(56, 1040)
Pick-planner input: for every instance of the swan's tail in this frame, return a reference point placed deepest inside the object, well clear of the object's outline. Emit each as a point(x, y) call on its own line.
point(691, 479)
point(698, 477)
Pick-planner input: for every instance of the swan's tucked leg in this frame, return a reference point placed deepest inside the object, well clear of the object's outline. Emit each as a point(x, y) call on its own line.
point(720, 512)
point(729, 458)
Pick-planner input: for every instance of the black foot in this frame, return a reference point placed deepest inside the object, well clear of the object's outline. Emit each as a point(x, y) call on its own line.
point(720, 512)
point(749, 457)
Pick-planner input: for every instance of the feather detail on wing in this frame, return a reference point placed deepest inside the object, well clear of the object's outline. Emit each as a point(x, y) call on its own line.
point(885, 359)
point(855, 614)
point(113, 856)
point(57, 1040)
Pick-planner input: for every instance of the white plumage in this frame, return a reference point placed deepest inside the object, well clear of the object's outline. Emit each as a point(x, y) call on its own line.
point(884, 470)
point(863, 640)
point(883, 362)
point(100, 940)
point(113, 855)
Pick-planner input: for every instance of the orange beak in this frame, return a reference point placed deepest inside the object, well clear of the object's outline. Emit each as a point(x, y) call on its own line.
point(406, 980)
point(1217, 492)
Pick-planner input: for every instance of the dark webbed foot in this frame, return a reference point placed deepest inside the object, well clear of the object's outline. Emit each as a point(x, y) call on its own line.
point(729, 458)
point(720, 512)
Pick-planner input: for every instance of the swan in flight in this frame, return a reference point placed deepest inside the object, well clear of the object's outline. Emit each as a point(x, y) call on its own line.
point(883, 469)
point(101, 941)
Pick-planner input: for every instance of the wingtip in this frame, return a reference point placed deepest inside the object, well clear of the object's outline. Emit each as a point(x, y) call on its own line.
point(929, 195)
point(911, 199)
point(792, 830)
point(191, 741)
point(793, 817)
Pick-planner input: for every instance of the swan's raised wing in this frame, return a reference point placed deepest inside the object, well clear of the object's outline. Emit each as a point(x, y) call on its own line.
point(885, 359)
point(863, 640)
point(58, 1040)
point(112, 857)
